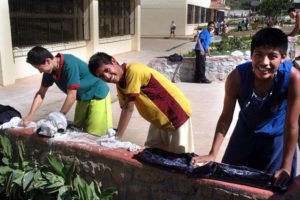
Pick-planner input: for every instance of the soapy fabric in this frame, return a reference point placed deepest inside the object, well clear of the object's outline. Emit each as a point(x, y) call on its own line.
point(212, 170)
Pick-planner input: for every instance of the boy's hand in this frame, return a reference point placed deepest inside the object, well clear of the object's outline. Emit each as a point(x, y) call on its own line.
point(202, 159)
point(281, 180)
point(25, 120)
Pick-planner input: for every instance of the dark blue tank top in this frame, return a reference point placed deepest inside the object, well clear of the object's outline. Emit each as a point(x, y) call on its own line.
point(264, 115)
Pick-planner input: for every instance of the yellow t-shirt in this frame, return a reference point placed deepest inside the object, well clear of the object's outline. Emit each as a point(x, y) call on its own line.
point(157, 99)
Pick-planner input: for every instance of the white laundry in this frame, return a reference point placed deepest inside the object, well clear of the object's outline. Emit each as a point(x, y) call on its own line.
point(111, 132)
point(112, 142)
point(54, 123)
point(14, 123)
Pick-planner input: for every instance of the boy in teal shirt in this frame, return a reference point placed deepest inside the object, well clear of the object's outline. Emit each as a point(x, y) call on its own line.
point(72, 76)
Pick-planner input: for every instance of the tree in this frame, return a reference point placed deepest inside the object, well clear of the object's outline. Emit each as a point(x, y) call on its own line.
point(272, 9)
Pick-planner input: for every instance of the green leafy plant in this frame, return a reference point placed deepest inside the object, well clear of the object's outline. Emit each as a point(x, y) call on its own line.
point(21, 179)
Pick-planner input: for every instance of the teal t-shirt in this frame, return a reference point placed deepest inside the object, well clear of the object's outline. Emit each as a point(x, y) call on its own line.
point(74, 74)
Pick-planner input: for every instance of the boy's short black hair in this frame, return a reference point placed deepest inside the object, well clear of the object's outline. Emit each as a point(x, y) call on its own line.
point(98, 60)
point(210, 22)
point(291, 10)
point(270, 38)
point(37, 55)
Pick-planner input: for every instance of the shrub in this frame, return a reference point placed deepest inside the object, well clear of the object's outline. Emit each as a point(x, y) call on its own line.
point(227, 45)
point(21, 179)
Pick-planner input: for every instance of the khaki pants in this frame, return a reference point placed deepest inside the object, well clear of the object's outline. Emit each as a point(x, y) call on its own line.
point(180, 140)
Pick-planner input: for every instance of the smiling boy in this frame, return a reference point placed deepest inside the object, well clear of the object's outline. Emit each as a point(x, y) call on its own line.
point(157, 99)
point(268, 92)
point(72, 76)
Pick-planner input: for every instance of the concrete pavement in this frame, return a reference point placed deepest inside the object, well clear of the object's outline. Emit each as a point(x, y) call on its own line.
point(206, 99)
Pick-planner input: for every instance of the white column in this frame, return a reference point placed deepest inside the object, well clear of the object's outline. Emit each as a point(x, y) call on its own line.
point(7, 66)
point(94, 29)
point(136, 43)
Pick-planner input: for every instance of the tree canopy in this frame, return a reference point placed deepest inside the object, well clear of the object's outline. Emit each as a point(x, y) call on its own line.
point(272, 9)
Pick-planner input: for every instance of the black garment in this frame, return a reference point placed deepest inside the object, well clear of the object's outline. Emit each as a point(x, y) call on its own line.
point(213, 170)
point(7, 113)
point(200, 67)
point(158, 157)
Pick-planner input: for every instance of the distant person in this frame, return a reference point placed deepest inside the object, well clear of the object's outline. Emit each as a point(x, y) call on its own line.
point(240, 25)
point(268, 93)
point(225, 30)
point(222, 26)
point(296, 16)
point(201, 48)
point(72, 76)
point(157, 100)
point(246, 20)
point(172, 29)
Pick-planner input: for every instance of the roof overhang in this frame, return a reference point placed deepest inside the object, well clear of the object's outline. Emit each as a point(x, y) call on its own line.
point(215, 4)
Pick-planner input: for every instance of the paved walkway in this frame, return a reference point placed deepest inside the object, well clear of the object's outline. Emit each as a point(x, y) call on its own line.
point(206, 99)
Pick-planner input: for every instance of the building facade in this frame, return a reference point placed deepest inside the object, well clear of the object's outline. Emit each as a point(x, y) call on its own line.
point(156, 16)
point(79, 27)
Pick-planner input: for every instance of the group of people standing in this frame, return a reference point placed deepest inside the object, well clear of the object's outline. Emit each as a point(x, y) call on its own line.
point(266, 89)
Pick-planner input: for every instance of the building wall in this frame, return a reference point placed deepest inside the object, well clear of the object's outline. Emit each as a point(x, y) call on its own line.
point(13, 60)
point(157, 16)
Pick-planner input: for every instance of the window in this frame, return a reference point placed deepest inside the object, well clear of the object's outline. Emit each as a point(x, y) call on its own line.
point(203, 14)
point(208, 15)
point(197, 14)
point(116, 18)
point(190, 14)
point(35, 22)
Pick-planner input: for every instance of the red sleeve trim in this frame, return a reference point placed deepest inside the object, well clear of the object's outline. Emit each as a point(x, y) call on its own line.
point(132, 96)
point(74, 86)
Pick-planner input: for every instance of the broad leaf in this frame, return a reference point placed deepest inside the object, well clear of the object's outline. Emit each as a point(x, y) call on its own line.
point(68, 172)
point(64, 193)
point(27, 180)
point(57, 165)
point(6, 146)
point(82, 188)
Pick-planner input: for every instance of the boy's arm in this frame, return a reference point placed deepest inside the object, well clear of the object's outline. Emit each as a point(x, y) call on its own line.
point(69, 101)
point(125, 117)
point(36, 103)
point(231, 92)
point(200, 45)
point(296, 27)
point(291, 122)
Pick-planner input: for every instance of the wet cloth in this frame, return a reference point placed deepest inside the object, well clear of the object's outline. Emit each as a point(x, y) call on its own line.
point(113, 143)
point(14, 123)
point(110, 141)
point(211, 170)
point(168, 160)
point(54, 123)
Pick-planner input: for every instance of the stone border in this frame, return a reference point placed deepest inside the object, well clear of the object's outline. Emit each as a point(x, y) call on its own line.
point(135, 180)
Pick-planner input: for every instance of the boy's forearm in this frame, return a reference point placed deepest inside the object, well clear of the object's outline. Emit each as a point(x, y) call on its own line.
point(69, 101)
point(290, 142)
point(125, 117)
